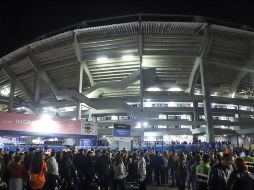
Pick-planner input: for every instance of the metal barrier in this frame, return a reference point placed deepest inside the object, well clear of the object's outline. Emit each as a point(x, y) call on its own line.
point(162, 146)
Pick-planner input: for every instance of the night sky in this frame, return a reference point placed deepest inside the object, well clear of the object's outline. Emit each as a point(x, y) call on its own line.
point(23, 21)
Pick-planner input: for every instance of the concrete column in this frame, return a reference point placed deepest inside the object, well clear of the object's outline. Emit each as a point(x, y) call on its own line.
point(140, 50)
point(37, 86)
point(78, 107)
point(207, 102)
point(11, 96)
point(195, 113)
point(205, 87)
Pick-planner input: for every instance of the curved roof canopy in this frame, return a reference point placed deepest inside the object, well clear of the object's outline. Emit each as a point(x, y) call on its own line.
point(102, 58)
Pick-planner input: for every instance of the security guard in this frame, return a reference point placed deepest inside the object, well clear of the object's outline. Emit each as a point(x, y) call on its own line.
point(202, 172)
point(249, 161)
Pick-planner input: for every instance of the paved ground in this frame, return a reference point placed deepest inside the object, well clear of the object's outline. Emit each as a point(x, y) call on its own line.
point(163, 187)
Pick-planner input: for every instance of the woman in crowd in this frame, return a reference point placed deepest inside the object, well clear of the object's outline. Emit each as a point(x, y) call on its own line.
point(37, 172)
point(16, 171)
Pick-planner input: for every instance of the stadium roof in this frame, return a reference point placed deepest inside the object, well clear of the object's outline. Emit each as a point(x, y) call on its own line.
point(112, 51)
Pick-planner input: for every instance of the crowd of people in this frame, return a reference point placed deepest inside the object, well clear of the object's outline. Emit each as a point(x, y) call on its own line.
point(96, 169)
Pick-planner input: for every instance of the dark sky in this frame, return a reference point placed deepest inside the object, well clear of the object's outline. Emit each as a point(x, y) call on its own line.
point(23, 21)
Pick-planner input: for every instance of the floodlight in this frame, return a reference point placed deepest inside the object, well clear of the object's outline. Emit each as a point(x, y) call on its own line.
point(102, 59)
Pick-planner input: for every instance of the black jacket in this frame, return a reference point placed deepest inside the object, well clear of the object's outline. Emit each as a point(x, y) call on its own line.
point(239, 180)
point(217, 179)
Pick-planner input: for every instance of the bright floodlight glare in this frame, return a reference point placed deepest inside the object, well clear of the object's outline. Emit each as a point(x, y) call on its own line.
point(233, 95)
point(148, 100)
point(128, 57)
point(224, 135)
point(175, 89)
point(114, 117)
point(102, 59)
point(138, 125)
point(171, 104)
point(145, 124)
point(46, 116)
point(5, 91)
point(153, 89)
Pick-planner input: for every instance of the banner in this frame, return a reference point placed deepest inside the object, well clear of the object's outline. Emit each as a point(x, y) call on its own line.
point(35, 124)
point(88, 141)
point(122, 132)
point(89, 128)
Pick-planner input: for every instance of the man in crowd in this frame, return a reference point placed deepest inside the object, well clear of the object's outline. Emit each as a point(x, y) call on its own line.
point(219, 173)
point(202, 171)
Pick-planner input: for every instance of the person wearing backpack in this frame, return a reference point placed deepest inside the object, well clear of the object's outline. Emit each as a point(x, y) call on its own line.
point(217, 178)
point(37, 172)
point(240, 178)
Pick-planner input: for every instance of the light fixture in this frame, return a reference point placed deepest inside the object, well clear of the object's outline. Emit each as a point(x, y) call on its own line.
point(102, 60)
point(138, 125)
point(171, 104)
point(233, 95)
point(46, 116)
point(128, 57)
point(148, 100)
point(5, 91)
point(114, 117)
point(145, 124)
point(175, 89)
point(49, 109)
point(153, 89)
point(224, 135)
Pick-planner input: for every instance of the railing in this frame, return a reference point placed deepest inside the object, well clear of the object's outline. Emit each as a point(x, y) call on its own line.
point(142, 18)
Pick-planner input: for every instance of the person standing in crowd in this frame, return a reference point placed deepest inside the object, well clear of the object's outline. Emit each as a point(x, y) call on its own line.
point(240, 178)
point(173, 158)
point(218, 174)
point(158, 167)
point(2, 166)
point(53, 174)
point(16, 171)
point(119, 174)
point(103, 169)
point(142, 172)
point(66, 170)
point(192, 174)
point(148, 165)
point(202, 172)
point(249, 161)
point(37, 172)
point(181, 172)
point(165, 168)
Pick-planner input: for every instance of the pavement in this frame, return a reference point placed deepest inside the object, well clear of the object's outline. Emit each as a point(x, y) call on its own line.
point(162, 187)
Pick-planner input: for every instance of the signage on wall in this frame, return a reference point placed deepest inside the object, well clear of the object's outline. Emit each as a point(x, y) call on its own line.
point(32, 124)
point(122, 132)
point(88, 127)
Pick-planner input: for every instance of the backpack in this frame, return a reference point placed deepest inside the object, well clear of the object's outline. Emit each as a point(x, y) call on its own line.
point(37, 181)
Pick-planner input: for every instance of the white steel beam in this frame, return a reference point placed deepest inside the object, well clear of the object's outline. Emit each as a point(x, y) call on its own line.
point(81, 60)
point(44, 76)
point(11, 75)
point(195, 69)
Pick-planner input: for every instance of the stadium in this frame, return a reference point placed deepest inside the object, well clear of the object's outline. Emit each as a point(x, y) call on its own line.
point(170, 78)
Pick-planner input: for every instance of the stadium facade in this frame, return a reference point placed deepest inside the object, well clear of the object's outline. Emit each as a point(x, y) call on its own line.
point(163, 75)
